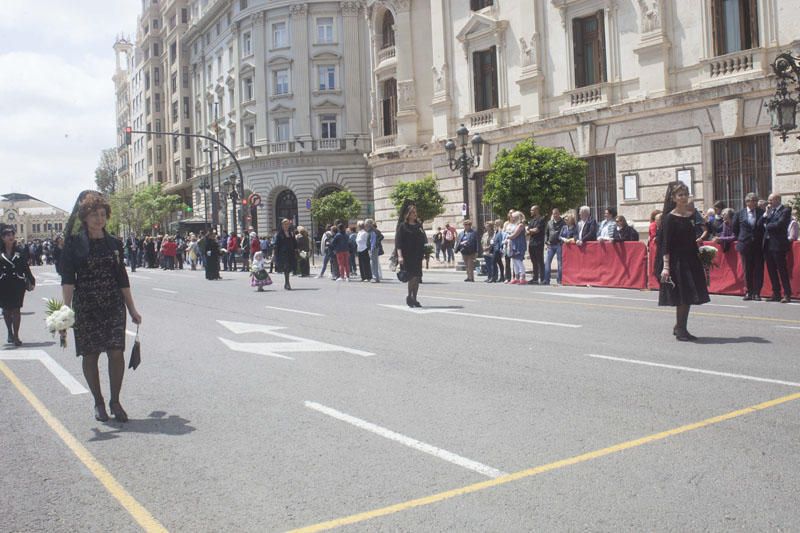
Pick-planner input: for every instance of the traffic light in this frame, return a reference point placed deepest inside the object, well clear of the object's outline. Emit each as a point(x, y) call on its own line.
point(244, 202)
point(189, 209)
point(128, 130)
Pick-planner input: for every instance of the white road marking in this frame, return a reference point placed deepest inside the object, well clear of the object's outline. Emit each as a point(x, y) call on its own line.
point(450, 457)
point(49, 363)
point(727, 305)
point(629, 298)
point(138, 276)
point(416, 310)
point(453, 299)
point(696, 370)
point(788, 327)
point(165, 290)
point(273, 349)
point(293, 311)
point(458, 312)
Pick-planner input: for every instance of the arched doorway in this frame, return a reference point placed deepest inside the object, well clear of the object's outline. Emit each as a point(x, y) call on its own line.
point(285, 207)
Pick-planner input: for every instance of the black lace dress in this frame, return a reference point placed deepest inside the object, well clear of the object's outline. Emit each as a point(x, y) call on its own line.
point(411, 239)
point(97, 300)
point(677, 238)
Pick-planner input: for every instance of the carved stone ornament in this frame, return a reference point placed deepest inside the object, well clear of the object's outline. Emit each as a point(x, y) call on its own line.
point(235, 27)
point(403, 5)
point(527, 52)
point(298, 9)
point(650, 14)
point(351, 8)
point(405, 94)
point(258, 18)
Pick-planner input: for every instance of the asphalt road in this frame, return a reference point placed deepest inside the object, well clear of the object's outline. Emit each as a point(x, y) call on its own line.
point(492, 408)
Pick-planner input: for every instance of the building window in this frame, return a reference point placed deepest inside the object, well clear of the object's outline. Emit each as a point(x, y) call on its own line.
point(735, 25)
point(185, 77)
point(588, 38)
point(157, 102)
point(187, 141)
point(242, 4)
point(247, 43)
point(185, 107)
point(280, 37)
point(210, 71)
point(484, 67)
point(187, 164)
point(387, 30)
point(230, 57)
point(282, 130)
point(156, 76)
point(389, 107)
point(285, 207)
point(281, 81)
point(742, 165)
point(480, 4)
point(158, 155)
point(247, 89)
point(327, 77)
point(173, 52)
point(250, 134)
point(328, 126)
point(219, 66)
point(601, 184)
point(174, 82)
point(325, 30)
point(184, 15)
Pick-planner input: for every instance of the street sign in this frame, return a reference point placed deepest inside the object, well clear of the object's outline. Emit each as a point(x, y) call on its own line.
point(254, 199)
point(463, 210)
point(308, 203)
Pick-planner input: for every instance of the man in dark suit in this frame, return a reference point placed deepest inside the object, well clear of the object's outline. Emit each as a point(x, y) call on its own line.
point(536, 227)
point(587, 226)
point(776, 245)
point(748, 226)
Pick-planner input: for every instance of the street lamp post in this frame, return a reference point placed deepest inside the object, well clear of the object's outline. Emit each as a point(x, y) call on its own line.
point(204, 187)
point(466, 161)
point(783, 108)
point(234, 197)
point(214, 207)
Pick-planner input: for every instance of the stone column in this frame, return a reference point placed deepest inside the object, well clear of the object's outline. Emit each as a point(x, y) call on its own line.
point(406, 92)
point(260, 82)
point(299, 70)
point(350, 74)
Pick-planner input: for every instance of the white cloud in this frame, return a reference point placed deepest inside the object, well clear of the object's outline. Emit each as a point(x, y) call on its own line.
point(57, 109)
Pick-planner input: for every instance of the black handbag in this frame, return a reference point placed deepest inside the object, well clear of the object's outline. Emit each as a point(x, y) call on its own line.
point(402, 275)
point(136, 352)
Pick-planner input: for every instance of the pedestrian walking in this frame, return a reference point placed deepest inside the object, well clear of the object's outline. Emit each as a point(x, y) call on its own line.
point(683, 281)
point(362, 249)
point(211, 256)
point(15, 279)
point(410, 240)
point(192, 251)
point(467, 246)
point(341, 247)
point(285, 247)
point(95, 284)
point(233, 249)
point(437, 243)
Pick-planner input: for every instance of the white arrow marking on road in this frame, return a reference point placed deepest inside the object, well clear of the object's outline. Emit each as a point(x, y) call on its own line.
point(49, 363)
point(273, 349)
point(457, 312)
point(450, 457)
point(165, 290)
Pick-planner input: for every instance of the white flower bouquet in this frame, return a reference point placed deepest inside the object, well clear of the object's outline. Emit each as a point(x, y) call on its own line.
point(303, 254)
point(707, 254)
point(59, 319)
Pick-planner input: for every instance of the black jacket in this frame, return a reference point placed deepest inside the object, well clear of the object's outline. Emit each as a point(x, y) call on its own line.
point(15, 267)
point(746, 233)
point(776, 229)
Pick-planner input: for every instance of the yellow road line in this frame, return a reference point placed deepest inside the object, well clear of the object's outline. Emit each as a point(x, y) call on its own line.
point(441, 496)
point(139, 513)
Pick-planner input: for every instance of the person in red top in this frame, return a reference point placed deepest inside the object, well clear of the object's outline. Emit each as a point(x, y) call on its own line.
point(169, 249)
point(233, 249)
point(255, 245)
point(654, 223)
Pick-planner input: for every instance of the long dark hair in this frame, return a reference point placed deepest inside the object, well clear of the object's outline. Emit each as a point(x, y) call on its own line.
point(76, 241)
point(403, 212)
point(672, 188)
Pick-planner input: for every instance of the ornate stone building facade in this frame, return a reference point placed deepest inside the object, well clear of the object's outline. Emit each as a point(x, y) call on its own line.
point(32, 218)
point(284, 84)
point(646, 91)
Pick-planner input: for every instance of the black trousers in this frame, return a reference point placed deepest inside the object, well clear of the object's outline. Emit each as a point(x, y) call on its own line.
point(508, 268)
point(753, 264)
point(364, 265)
point(536, 251)
point(778, 273)
point(499, 273)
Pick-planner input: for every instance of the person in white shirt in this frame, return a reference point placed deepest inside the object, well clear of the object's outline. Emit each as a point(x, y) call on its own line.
point(362, 249)
point(587, 226)
point(605, 231)
point(794, 229)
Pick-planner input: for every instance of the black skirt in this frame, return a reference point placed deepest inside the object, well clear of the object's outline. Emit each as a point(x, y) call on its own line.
point(12, 293)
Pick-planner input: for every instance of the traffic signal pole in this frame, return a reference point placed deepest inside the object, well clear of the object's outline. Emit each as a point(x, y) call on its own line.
point(128, 131)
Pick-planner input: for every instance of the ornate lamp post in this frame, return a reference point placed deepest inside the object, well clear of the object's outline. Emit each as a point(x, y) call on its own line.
point(234, 195)
point(783, 108)
point(203, 186)
point(464, 162)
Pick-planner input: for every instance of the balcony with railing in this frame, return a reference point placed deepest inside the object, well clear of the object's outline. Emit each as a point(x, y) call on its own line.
point(590, 95)
point(385, 54)
point(281, 147)
point(329, 145)
point(734, 64)
point(386, 142)
point(483, 119)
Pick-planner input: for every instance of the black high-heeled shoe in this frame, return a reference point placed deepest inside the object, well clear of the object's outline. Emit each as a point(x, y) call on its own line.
point(119, 413)
point(417, 304)
point(100, 413)
point(10, 339)
point(409, 301)
point(17, 342)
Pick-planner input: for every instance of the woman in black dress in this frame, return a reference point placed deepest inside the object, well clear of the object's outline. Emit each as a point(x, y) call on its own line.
point(285, 246)
point(683, 281)
point(212, 256)
point(95, 284)
point(410, 240)
point(15, 278)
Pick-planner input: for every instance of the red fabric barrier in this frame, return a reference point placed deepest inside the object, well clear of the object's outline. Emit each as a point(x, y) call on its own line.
point(605, 264)
point(727, 277)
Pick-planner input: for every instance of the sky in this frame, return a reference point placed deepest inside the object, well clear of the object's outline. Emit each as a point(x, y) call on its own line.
point(57, 108)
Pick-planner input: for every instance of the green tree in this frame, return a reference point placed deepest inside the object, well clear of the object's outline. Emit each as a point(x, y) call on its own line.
point(152, 206)
point(339, 205)
point(424, 193)
point(124, 216)
point(105, 175)
point(529, 174)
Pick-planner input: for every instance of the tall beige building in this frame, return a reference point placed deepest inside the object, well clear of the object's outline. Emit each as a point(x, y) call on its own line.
point(645, 91)
point(285, 84)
